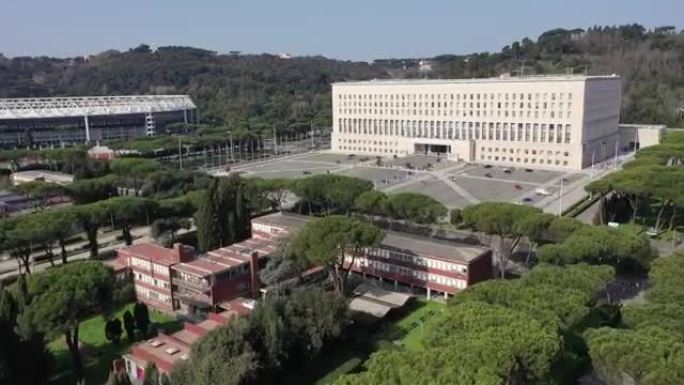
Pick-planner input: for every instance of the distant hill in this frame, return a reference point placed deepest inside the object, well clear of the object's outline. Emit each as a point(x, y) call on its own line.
point(257, 91)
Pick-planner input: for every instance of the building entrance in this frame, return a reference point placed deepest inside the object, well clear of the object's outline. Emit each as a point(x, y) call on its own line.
point(434, 149)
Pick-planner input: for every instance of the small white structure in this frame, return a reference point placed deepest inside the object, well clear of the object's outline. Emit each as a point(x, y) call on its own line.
point(44, 175)
point(636, 136)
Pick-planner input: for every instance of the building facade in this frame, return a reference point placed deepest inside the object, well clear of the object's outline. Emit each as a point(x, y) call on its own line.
point(176, 279)
point(534, 121)
point(60, 121)
point(165, 350)
point(150, 266)
point(438, 267)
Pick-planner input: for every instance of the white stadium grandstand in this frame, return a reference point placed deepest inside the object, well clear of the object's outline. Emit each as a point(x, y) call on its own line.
point(67, 120)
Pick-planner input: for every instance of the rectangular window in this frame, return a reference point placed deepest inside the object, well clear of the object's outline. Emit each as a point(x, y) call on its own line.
point(567, 133)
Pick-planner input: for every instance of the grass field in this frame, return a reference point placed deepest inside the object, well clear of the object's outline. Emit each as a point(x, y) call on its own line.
point(405, 330)
point(99, 353)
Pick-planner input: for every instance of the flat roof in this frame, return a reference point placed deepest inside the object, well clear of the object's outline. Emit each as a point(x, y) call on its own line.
point(165, 348)
point(78, 106)
point(430, 247)
point(506, 79)
point(644, 126)
point(49, 176)
point(283, 220)
point(152, 252)
point(386, 297)
point(364, 305)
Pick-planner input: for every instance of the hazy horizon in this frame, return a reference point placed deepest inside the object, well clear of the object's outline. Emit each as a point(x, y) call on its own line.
point(352, 30)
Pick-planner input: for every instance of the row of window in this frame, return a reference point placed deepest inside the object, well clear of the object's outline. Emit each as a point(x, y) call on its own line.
point(421, 275)
point(379, 150)
point(463, 113)
point(547, 161)
point(417, 260)
point(458, 106)
point(152, 281)
point(521, 132)
point(458, 96)
point(143, 292)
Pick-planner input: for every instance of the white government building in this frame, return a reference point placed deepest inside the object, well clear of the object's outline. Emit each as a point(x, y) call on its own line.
point(559, 121)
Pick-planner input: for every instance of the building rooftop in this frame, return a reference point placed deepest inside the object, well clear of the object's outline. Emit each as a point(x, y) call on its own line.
point(150, 251)
point(644, 126)
point(503, 78)
point(285, 221)
point(60, 107)
point(216, 261)
point(164, 350)
point(46, 175)
point(430, 247)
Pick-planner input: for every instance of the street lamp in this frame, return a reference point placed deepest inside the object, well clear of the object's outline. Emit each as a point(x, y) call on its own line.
point(232, 159)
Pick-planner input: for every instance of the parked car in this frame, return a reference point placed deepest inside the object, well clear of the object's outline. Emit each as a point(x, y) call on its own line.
point(488, 175)
point(507, 170)
point(528, 170)
point(487, 166)
point(518, 187)
point(527, 199)
point(306, 172)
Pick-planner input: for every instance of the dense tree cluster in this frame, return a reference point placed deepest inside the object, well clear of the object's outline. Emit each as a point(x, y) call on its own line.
point(59, 299)
point(15, 348)
point(329, 241)
point(627, 248)
point(649, 347)
point(223, 213)
point(281, 333)
point(501, 332)
point(651, 185)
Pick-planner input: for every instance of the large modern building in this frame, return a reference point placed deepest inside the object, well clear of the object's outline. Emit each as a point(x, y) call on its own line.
point(560, 121)
point(67, 120)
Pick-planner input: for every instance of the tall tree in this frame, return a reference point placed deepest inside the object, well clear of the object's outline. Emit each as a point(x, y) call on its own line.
point(127, 211)
point(61, 298)
point(335, 242)
point(15, 367)
point(506, 221)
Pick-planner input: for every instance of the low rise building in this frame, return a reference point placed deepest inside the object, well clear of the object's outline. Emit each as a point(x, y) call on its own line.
point(150, 266)
point(636, 136)
point(436, 266)
point(178, 280)
point(59, 178)
point(165, 350)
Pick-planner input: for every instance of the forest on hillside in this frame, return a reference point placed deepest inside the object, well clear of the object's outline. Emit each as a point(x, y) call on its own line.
point(254, 92)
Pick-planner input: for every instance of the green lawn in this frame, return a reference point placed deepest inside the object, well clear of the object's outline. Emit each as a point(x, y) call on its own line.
point(101, 352)
point(413, 324)
point(402, 330)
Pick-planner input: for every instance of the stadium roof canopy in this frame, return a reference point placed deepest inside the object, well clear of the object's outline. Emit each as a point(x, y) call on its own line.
point(64, 107)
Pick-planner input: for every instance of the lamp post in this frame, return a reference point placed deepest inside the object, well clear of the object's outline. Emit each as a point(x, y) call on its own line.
point(232, 158)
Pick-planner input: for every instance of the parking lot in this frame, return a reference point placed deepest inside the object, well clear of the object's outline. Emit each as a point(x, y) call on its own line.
point(510, 184)
point(436, 189)
point(455, 184)
point(421, 162)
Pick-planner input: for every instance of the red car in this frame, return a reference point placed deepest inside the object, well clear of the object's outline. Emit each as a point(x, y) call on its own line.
point(518, 187)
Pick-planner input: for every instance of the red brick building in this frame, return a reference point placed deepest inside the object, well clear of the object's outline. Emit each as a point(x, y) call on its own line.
point(165, 350)
point(438, 267)
point(150, 266)
point(178, 280)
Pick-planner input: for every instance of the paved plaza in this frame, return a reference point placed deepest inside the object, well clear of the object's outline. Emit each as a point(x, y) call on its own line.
point(455, 184)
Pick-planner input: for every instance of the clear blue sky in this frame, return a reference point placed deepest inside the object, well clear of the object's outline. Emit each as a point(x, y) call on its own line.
point(348, 29)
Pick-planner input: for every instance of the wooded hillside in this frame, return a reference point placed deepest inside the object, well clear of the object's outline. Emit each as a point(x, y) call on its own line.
point(257, 91)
